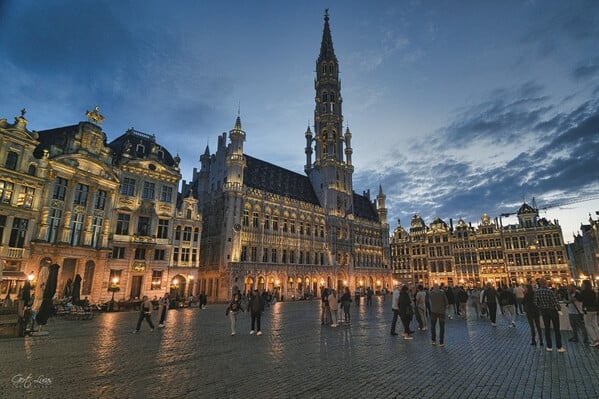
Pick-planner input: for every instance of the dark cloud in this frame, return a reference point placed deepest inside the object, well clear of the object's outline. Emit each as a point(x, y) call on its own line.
point(587, 71)
point(563, 160)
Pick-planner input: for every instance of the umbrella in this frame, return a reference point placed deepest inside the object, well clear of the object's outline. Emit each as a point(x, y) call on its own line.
point(77, 290)
point(49, 291)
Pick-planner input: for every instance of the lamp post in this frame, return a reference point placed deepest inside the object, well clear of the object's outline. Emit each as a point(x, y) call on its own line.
point(114, 287)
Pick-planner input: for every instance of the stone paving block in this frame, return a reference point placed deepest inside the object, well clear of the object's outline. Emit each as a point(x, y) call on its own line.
point(196, 357)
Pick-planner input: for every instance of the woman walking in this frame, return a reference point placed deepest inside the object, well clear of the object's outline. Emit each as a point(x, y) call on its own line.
point(232, 310)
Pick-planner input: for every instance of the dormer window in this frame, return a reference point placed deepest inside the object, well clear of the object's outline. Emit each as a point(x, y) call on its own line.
point(140, 149)
point(161, 154)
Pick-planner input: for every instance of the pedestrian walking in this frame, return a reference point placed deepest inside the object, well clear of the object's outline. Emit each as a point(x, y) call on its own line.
point(438, 302)
point(420, 304)
point(507, 301)
point(461, 301)
point(256, 307)
point(475, 304)
point(345, 304)
point(163, 304)
point(325, 314)
point(232, 310)
point(548, 305)
point(395, 308)
point(333, 307)
point(532, 315)
point(575, 315)
point(369, 296)
point(406, 311)
point(145, 312)
point(450, 301)
point(590, 307)
point(519, 292)
point(490, 300)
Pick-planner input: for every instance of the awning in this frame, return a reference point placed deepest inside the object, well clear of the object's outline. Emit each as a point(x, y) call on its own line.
point(13, 275)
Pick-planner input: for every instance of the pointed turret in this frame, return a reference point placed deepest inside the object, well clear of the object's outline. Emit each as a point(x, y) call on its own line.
point(380, 205)
point(308, 150)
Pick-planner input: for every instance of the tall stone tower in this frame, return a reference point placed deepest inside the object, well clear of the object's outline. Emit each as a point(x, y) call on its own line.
point(331, 172)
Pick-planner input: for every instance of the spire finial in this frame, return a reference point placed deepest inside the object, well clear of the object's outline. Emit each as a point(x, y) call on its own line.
point(23, 111)
point(326, 14)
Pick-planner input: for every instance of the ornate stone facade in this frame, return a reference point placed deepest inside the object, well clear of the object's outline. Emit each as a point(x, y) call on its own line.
point(267, 227)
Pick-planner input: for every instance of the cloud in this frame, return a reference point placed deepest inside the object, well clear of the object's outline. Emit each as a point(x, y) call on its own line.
point(545, 151)
point(587, 71)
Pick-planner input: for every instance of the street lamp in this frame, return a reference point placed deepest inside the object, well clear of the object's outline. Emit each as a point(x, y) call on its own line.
point(114, 287)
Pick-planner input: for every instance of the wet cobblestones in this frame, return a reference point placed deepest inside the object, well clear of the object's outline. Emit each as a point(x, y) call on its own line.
point(196, 357)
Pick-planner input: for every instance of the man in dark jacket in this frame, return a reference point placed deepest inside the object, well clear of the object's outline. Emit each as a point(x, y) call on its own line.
point(256, 307)
point(439, 303)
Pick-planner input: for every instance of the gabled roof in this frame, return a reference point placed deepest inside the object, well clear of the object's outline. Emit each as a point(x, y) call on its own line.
point(267, 177)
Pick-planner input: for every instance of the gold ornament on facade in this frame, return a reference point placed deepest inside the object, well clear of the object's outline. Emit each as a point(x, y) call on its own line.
point(94, 116)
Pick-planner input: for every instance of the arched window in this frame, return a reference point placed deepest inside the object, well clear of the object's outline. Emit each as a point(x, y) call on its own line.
point(32, 170)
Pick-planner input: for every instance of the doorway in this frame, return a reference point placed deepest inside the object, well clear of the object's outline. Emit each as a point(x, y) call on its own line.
point(136, 287)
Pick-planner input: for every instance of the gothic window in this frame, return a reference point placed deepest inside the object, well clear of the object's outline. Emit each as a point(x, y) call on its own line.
point(273, 255)
point(325, 97)
point(246, 217)
point(254, 254)
point(255, 220)
point(266, 222)
point(265, 255)
point(244, 253)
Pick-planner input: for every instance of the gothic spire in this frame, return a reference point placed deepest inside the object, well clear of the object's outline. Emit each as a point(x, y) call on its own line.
point(326, 47)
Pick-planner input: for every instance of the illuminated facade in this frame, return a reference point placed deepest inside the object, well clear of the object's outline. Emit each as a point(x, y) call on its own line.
point(513, 254)
point(271, 228)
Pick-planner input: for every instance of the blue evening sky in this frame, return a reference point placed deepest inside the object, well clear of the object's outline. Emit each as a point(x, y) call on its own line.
point(456, 107)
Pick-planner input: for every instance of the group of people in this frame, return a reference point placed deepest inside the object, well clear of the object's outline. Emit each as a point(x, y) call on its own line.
point(257, 301)
point(331, 303)
point(537, 303)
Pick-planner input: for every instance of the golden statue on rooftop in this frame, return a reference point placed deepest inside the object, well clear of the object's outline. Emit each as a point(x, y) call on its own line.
point(94, 116)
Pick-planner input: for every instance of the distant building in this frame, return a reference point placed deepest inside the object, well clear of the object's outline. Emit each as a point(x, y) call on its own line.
point(270, 228)
point(584, 252)
point(491, 252)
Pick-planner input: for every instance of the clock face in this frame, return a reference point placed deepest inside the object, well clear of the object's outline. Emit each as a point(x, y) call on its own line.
point(237, 227)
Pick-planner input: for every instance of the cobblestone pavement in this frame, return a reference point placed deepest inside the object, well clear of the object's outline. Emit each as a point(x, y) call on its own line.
point(196, 357)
